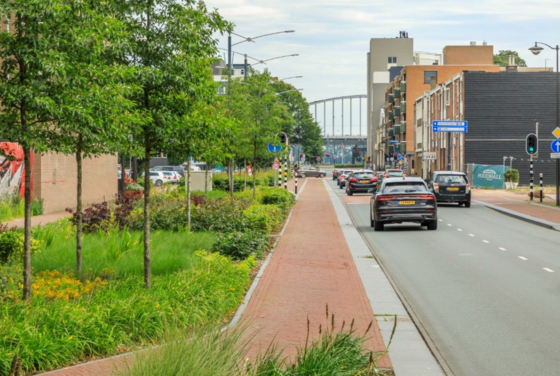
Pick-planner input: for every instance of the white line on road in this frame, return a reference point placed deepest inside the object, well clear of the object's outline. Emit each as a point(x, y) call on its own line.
point(548, 270)
point(449, 224)
point(471, 235)
point(502, 249)
point(486, 241)
point(523, 258)
point(459, 229)
point(441, 220)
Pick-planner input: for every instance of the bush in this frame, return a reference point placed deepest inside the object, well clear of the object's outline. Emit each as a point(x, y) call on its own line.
point(264, 218)
point(220, 215)
point(240, 245)
point(95, 218)
point(37, 206)
point(280, 197)
point(12, 246)
point(512, 175)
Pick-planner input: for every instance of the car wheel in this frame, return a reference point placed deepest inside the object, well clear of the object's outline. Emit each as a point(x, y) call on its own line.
point(302, 175)
point(461, 203)
point(349, 192)
point(159, 183)
point(378, 226)
point(322, 175)
point(432, 225)
point(371, 221)
point(467, 204)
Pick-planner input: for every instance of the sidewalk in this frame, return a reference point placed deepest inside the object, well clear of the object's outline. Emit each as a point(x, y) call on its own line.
point(518, 205)
point(312, 267)
point(38, 220)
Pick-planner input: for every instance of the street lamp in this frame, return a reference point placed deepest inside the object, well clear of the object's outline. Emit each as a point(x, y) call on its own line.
point(274, 58)
point(536, 49)
point(288, 78)
point(287, 91)
point(252, 39)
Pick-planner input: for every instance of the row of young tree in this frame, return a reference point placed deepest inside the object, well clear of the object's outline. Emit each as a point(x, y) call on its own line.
point(90, 77)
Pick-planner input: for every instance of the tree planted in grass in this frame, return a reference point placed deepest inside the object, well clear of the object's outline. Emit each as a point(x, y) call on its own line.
point(170, 39)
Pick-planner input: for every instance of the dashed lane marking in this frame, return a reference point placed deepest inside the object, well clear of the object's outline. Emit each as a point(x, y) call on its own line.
point(449, 224)
point(548, 270)
point(471, 235)
point(441, 220)
point(486, 241)
point(523, 258)
point(459, 229)
point(502, 249)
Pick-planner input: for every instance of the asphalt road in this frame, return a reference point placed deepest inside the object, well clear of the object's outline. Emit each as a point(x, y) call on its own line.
point(485, 286)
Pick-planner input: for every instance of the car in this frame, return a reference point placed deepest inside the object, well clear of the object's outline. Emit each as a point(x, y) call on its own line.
point(309, 171)
point(157, 178)
point(451, 186)
point(341, 178)
point(403, 199)
point(170, 176)
point(360, 181)
point(178, 176)
point(179, 169)
point(394, 173)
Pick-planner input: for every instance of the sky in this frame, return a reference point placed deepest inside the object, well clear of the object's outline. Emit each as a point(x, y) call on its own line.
point(332, 36)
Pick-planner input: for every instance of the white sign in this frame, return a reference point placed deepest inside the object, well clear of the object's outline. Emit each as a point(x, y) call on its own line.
point(555, 155)
point(429, 156)
point(249, 171)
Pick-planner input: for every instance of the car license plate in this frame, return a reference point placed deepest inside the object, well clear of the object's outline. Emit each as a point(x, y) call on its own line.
point(364, 181)
point(407, 202)
point(453, 188)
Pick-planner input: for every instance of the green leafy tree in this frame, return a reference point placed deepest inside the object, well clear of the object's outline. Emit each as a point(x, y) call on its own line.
point(170, 39)
point(502, 58)
point(31, 74)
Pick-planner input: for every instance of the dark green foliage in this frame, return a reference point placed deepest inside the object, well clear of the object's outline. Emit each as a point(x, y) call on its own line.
point(220, 215)
point(96, 217)
point(263, 218)
point(37, 206)
point(11, 246)
point(240, 245)
point(279, 197)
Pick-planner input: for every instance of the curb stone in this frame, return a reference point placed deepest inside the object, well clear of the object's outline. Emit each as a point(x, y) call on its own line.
point(521, 216)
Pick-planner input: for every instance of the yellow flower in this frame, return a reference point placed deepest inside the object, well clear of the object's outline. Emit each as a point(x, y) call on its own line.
point(69, 338)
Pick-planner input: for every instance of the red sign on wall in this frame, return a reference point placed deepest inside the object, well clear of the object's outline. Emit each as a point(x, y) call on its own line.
point(12, 171)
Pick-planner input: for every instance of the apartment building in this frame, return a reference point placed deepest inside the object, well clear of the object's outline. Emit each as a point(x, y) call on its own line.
point(411, 83)
point(501, 109)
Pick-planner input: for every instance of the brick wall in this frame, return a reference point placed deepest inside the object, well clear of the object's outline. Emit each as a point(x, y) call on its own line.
point(54, 177)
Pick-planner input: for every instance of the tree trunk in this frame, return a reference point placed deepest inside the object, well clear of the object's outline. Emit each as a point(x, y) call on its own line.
point(189, 194)
point(206, 182)
point(147, 183)
point(27, 231)
point(79, 207)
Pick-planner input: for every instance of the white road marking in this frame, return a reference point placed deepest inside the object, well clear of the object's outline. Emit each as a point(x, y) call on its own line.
point(486, 241)
point(471, 235)
point(502, 249)
point(548, 270)
point(449, 224)
point(465, 254)
point(523, 258)
point(459, 229)
point(441, 220)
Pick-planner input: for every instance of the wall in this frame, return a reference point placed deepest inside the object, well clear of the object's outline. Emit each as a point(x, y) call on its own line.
point(468, 55)
point(55, 180)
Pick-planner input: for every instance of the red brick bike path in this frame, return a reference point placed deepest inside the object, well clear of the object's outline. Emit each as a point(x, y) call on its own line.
point(311, 267)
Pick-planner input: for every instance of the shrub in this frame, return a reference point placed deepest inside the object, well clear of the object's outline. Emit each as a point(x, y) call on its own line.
point(220, 215)
point(133, 187)
point(96, 217)
point(168, 213)
point(512, 175)
point(240, 245)
point(37, 206)
point(10, 276)
point(263, 218)
point(12, 246)
point(279, 197)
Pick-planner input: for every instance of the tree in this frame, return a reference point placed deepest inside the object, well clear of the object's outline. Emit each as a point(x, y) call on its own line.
point(170, 39)
point(30, 78)
point(502, 58)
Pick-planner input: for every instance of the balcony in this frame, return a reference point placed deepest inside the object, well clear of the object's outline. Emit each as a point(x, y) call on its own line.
point(391, 149)
point(397, 111)
point(391, 98)
point(391, 132)
point(403, 126)
point(403, 147)
point(397, 92)
point(391, 116)
point(403, 87)
point(397, 129)
point(403, 107)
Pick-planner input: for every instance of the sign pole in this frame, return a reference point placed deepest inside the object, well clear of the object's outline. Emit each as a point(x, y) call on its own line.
point(448, 151)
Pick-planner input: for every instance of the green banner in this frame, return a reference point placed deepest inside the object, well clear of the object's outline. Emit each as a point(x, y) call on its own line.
point(485, 176)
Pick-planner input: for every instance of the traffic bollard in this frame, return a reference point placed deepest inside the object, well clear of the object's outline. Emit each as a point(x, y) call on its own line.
point(540, 188)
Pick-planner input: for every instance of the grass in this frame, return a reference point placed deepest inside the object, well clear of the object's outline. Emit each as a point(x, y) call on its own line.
point(14, 207)
point(110, 311)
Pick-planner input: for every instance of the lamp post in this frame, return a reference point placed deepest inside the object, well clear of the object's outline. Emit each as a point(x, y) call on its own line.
point(289, 78)
point(536, 49)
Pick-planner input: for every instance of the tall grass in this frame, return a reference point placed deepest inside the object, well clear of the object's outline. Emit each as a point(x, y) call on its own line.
point(11, 207)
point(119, 251)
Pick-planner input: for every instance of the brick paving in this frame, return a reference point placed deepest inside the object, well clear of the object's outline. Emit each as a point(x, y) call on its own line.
point(38, 220)
point(518, 202)
point(311, 267)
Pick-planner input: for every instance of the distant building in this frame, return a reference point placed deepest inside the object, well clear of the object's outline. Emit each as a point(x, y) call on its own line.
point(219, 73)
point(427, 58)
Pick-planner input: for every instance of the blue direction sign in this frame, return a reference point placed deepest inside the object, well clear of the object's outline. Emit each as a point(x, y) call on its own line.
point(274, 148)
point(393, 142)
point(400, 157)
point(449, 126)
point(555, 146)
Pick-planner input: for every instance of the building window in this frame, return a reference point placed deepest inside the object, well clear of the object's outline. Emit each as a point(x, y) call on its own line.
point(392, 60)
point(242, 71)
point(428, 76)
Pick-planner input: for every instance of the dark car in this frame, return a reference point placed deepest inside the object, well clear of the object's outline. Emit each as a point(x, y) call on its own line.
point(309, 171)
point(451, 186)
point(400, 200)
point(360, 181)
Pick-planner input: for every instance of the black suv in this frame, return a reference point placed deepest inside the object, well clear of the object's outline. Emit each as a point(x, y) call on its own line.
point(451, 186)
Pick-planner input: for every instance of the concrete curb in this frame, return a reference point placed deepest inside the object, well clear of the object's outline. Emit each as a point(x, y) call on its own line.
point(521, 216)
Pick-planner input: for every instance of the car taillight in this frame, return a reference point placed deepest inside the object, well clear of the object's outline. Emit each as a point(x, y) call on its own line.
point(468, 188)
point(353, 180)
point(373, 179)
point(436, 187)
point(425, 197)
point(384, 198)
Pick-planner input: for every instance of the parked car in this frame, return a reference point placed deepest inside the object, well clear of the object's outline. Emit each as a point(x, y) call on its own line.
point(178, 175)
point(341, 178)
point(157, 178)
point(400, 200)
point(310, 171)
point(360, 181)
point(179, 169)
point(170, 177)
point(451, 186)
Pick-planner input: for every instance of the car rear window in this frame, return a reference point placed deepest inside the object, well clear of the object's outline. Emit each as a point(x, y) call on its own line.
point(451, 179)
point(363, 175)
point(392, 174)
point(403, 187)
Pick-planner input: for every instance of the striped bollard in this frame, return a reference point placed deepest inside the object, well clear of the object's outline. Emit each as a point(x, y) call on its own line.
point(531, 181)
point(295, 181)
point(279, 175)
point(286, 172)
point(540, 188)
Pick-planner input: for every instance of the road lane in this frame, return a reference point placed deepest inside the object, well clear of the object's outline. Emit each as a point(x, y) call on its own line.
point(488, 311)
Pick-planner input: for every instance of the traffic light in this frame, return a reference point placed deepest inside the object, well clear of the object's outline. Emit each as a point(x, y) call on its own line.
point(301, 155)
point(395, 156)
point(532, 144)
point(282, 138)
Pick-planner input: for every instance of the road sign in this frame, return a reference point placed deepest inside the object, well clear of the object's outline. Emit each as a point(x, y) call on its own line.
point(400, 157)
point(554, 155)
point(555, 146)
point(556, 132)
point(249, 171)
point(318, 159)
point(274, 148)
point(393, 142)
point(449, 126)
point(429, 156)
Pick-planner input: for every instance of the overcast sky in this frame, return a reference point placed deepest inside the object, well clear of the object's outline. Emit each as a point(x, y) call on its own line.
point(332, 37)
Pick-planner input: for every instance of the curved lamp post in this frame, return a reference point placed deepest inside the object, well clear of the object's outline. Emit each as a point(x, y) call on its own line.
point(288, 78)
point(536, 49)
point(252, 39)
